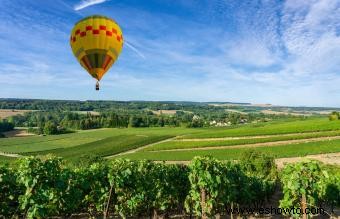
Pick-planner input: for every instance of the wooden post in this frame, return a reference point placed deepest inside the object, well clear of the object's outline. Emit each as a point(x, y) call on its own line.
point(232, 209)
point(304, 206)
point(203, 205)
point(155, 215)
point(107, 208)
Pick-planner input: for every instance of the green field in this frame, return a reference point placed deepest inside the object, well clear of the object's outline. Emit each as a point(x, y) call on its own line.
point(106, 142)
point(289, 150)
point(43, 143)
point(105, 147)
point(271, 128)
point(178, 144)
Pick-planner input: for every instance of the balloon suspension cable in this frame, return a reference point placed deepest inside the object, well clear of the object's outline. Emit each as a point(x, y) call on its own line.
point(97, 85)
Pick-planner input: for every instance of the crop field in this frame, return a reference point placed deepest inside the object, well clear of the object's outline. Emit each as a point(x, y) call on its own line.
point(288, 150)
point(105, 147)
point(180, 144)
point(271, 128)
point(280, 139)
point(101, 142)
point(5, 113)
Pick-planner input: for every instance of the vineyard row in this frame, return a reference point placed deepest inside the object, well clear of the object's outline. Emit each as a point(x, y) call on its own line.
point(43, 187)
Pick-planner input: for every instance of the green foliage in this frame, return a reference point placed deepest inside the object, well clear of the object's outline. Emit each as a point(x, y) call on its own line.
point(50, 128)
point(258, 164)
point(5, 125)
point(47, 188)
point(262, 172)
point(206, 180)
point(9, 191)
point(302, 179)
point(44, 187)
point(330, 191)
point(144, 187)
point(196, 122)
point(334, 116)
point(92, 187)
point(112, 114)
point(216, 185)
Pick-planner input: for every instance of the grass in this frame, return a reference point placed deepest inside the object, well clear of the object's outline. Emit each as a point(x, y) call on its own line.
point(271, 128)
point(289, 150)
point(177, 144)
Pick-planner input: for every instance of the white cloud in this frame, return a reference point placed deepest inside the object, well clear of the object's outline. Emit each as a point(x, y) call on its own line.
point(286, 54)
point(250, 52)
point(86, 3)
point(310, 37)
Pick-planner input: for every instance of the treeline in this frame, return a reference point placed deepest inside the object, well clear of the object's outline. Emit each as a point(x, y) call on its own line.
point(205, 111)
point(88, 105)
point(42, 188)
point(55, 117)
point(82, 121)
point(56, 122)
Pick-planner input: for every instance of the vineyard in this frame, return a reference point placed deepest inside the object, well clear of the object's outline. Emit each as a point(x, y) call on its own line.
point(288, 138)
point(35, 187)
point(160, 109)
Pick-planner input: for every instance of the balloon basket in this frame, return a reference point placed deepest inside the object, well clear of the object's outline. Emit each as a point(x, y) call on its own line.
point(97, 86)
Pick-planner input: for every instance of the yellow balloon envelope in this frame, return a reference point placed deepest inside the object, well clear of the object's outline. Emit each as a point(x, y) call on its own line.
point(96, 42)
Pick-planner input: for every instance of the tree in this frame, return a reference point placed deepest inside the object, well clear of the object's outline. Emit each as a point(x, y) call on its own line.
point(334, 116)
point(6, 126)
point(161, 121)
point(50, 128)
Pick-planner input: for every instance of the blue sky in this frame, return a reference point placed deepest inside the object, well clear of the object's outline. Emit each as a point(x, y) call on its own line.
point(279, 52)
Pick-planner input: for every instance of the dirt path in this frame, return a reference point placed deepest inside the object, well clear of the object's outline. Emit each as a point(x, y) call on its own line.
point(17, 133)
point(9, 155)
point(251, 137)
point(265, 144)
point(140, 148)
point(330, 158)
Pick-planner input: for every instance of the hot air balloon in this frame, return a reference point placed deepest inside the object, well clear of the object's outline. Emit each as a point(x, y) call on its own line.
point(96, 42)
